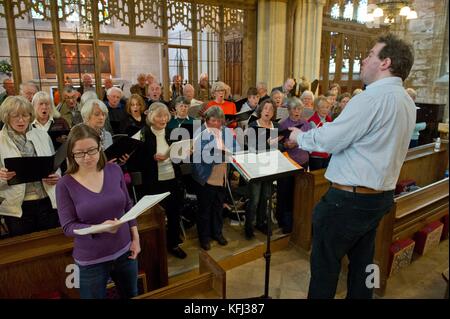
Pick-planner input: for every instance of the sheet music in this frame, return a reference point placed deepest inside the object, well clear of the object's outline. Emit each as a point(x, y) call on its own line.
point(254, 165)
point(142, 205)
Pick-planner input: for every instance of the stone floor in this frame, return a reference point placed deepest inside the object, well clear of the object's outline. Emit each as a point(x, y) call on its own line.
point(289, 277)
point(289, 272)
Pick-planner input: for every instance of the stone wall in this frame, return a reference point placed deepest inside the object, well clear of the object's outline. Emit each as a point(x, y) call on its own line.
point(427, 34)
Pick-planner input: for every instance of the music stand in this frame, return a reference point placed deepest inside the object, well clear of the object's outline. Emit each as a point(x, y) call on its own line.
point(250, 173)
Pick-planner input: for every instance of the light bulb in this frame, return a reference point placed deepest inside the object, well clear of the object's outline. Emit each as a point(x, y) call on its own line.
point(412, 15)
point(378, 12)
point(369, 17)
point(405, 11)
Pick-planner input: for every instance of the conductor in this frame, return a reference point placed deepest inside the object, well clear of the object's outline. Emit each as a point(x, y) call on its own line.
point(369, 142)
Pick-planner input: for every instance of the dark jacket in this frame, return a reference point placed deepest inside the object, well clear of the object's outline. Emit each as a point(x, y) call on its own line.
point(144, 162)
point(130, 126)
point(258, 148)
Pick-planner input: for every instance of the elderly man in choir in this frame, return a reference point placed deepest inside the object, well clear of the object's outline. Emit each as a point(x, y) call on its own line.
point(27, 207)
point(86, 84)
point(28, 90)
point(69, 107)
point(203, 91)
point(262, 91)
point(141, 86)
point(8, 85)
point(115, 107)
point(286, 88)
point(107, 84)
point(188, 93)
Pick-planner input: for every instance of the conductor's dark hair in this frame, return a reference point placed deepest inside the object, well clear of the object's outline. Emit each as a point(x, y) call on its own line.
point(400, 53)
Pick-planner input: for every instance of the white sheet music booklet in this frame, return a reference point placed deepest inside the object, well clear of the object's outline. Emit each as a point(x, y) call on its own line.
point(141, 206)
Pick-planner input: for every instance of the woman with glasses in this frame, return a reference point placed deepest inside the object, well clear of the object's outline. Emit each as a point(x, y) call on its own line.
point(94, 192)
point(27, 207)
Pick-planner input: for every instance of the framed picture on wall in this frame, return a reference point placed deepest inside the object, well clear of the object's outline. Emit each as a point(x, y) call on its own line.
point(77, 58)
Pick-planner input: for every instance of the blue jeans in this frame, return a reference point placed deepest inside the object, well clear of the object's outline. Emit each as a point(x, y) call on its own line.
point(94, 278)
point(345, 223)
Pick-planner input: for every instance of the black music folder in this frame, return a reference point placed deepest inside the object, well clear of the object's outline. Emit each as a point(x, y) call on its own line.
point(122, 145)
point(35, 168)
point(286, 133)
point(29, 169)
point(238, 117)
point(54, 135)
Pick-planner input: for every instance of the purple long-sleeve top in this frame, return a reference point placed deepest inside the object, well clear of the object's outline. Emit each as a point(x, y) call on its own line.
point(78, 207)
point(297, 154)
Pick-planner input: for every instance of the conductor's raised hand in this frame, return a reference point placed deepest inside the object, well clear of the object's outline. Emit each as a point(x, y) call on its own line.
point(6, 175)
point(295, 133)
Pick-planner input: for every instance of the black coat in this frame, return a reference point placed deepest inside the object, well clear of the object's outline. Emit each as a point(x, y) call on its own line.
point(143, 160)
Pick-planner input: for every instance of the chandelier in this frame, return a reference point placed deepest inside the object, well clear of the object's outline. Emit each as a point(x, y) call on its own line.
point(389, 11)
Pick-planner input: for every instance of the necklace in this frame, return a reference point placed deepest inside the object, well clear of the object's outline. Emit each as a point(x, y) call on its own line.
point(180, 123)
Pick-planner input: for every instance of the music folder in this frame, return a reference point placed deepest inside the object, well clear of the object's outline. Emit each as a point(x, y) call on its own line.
point(29, 169)
point(141, 206)
point(238, 117)
point(54, 135)
point(286, 132)
point(122, 145)
point(264, 166)
point(35, 168)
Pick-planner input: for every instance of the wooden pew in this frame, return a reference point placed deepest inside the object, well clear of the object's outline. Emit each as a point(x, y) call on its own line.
point(209, 283)
point(308, 190)
point(422, 164)
point(35, 264)
point(410, 213)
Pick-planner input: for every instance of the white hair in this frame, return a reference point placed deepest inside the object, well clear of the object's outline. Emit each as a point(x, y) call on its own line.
point(89, 106)
point(88, 95)
point(112, 89)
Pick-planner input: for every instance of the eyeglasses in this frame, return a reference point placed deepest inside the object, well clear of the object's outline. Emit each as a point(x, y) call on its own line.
point(18, 116)
point(90, 152)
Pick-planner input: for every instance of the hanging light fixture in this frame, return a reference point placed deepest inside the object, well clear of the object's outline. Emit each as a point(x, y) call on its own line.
point(390, 11)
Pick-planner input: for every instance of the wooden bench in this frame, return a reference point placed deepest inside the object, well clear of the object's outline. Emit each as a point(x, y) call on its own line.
point(35, 264)
point(422, 164)
point(410, 213)
point(210, 283)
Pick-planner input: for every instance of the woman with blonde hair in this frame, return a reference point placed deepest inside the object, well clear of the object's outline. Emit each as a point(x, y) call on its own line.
point(27, 207)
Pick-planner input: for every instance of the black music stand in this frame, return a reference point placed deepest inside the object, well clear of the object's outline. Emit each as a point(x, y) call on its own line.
point(244, 170)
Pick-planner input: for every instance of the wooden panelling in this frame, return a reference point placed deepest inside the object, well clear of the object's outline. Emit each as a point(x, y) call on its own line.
point(35, 264)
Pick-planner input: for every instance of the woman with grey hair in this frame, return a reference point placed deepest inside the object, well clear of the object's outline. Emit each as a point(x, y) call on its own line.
point(49, 119)
point(27, 207)
point(307, 98)
point(159, 174)
point(94, 114)
point(210, 173)
point(285, 186)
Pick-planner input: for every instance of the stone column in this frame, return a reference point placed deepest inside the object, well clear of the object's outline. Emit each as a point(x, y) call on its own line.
point(271, 40)
point(307, 38)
